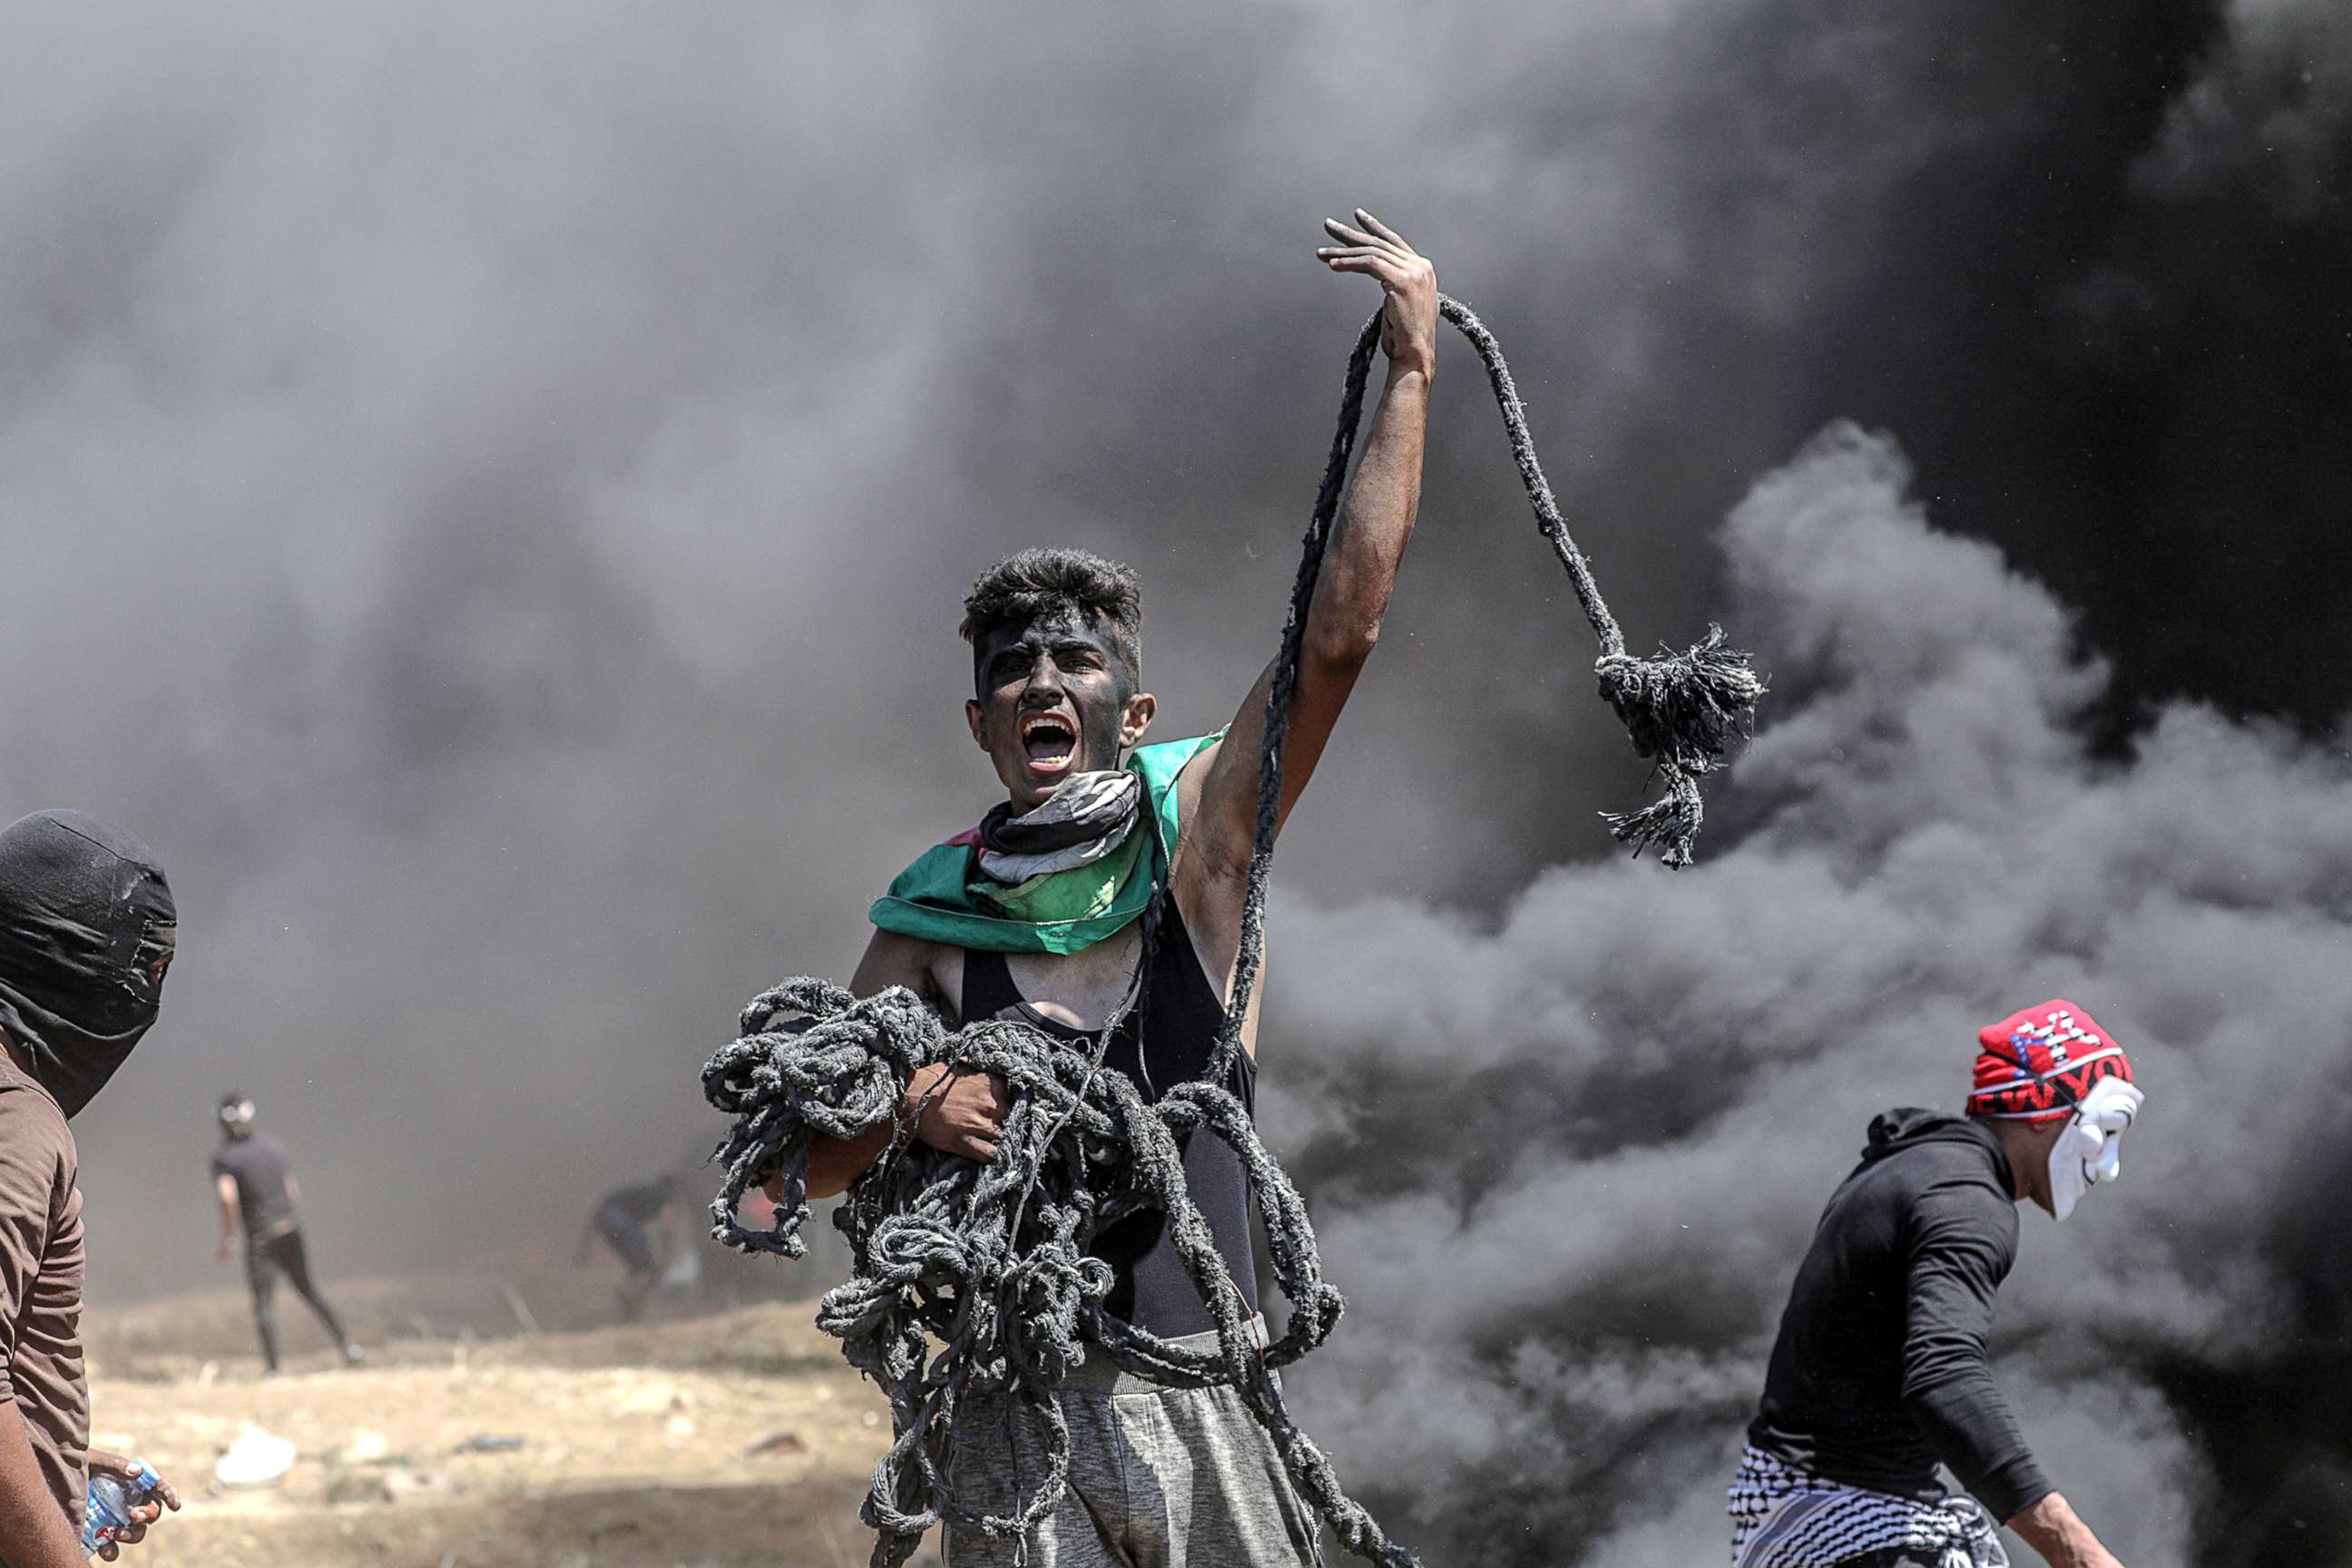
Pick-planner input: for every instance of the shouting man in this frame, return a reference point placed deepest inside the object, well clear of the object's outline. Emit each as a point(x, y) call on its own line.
point(86, 930)
point(1036, 914)
point(1880, 1369)
point(253, 1179)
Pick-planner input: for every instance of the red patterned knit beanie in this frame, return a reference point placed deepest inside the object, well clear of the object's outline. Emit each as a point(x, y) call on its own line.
point(2037, 1065)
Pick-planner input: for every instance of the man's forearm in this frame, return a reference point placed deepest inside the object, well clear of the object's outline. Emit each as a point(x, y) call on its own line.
point(944, 1106)
point(1968, 1425)
point(835, 1162)
point(1357, 573)
point(1374, 527)
point(34, 1532)
point(2051, 1528)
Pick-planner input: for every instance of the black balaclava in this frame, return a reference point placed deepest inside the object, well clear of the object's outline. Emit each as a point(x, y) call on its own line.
point(86, 930)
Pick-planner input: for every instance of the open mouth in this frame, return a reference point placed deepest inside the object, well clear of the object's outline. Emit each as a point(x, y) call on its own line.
point(1048, 740)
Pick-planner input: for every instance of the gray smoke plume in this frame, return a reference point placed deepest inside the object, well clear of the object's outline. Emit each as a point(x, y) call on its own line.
point(1568, 1158)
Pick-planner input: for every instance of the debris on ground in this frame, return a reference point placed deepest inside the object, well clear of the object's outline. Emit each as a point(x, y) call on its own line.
point(259, 1457)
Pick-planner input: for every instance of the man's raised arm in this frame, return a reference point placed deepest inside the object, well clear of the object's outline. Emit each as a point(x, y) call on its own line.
point(1360, 568)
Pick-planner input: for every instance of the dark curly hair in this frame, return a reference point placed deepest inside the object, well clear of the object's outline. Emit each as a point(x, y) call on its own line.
point(1040, 585)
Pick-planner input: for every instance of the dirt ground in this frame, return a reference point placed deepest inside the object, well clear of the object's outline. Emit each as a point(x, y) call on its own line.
point(705, 1439)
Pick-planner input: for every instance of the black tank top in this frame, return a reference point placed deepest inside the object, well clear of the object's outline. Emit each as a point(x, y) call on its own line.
point(1179, 1016)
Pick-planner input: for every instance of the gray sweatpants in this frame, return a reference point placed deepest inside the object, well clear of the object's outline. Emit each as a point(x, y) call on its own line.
point(1160, 1478)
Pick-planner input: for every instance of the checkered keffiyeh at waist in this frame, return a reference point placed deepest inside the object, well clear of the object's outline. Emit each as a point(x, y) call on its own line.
point(1783, 1518)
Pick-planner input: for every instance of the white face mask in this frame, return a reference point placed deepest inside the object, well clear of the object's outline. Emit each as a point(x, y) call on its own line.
point(2090, 1150)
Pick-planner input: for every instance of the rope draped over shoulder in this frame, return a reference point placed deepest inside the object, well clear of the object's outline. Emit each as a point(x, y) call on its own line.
point(992, 1259)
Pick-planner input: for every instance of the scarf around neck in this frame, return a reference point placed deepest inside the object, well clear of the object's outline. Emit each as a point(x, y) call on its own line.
point(1084, 821)
point(1081, 876)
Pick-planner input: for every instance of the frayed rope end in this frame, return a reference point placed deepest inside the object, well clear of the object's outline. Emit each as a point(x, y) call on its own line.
point(1670, 822)
point(1683, 709)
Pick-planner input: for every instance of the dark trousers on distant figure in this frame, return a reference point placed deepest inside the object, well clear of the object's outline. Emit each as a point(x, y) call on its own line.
point(264, 1261)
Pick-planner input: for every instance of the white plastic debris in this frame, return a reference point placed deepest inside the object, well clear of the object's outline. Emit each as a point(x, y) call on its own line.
point(257, 1459)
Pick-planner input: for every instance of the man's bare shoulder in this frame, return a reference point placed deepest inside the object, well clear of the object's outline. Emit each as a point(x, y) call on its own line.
point(1213, 849)
point(931, 970)
point(1194, 832)
point(1193, 776)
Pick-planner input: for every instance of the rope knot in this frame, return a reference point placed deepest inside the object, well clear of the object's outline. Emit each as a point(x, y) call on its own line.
point(1685, 707)
point(1683, 711)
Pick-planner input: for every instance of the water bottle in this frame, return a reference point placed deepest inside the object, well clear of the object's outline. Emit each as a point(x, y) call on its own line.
point(111, 1502)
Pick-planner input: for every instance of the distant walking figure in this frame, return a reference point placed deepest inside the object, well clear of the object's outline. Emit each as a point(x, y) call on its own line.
point(254, 1180)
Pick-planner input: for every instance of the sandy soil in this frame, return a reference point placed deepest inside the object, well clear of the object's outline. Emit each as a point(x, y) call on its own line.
point(715, 1441)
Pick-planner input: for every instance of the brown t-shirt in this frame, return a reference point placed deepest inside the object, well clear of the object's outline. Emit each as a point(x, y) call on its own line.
point(40, 1286)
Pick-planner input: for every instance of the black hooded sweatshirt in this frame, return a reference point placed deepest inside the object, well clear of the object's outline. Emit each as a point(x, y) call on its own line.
point(1880, 1369)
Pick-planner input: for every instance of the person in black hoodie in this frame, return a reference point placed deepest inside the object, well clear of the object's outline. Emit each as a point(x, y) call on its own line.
point(1880, 1371)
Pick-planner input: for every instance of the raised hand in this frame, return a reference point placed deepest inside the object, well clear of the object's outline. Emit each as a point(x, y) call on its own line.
point(1408, 326)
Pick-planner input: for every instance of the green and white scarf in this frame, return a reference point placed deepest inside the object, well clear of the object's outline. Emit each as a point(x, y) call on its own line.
point(946, 897)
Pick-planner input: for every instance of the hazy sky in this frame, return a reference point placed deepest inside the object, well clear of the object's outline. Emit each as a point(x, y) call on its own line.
point(485, 493)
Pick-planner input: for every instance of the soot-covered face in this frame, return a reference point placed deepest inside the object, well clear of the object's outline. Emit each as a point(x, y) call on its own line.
point(1055, 699)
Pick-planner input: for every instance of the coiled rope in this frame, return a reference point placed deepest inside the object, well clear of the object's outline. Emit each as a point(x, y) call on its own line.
point(991, 1261)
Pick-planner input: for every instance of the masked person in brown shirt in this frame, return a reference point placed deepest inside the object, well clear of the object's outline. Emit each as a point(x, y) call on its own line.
point(86, 930)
